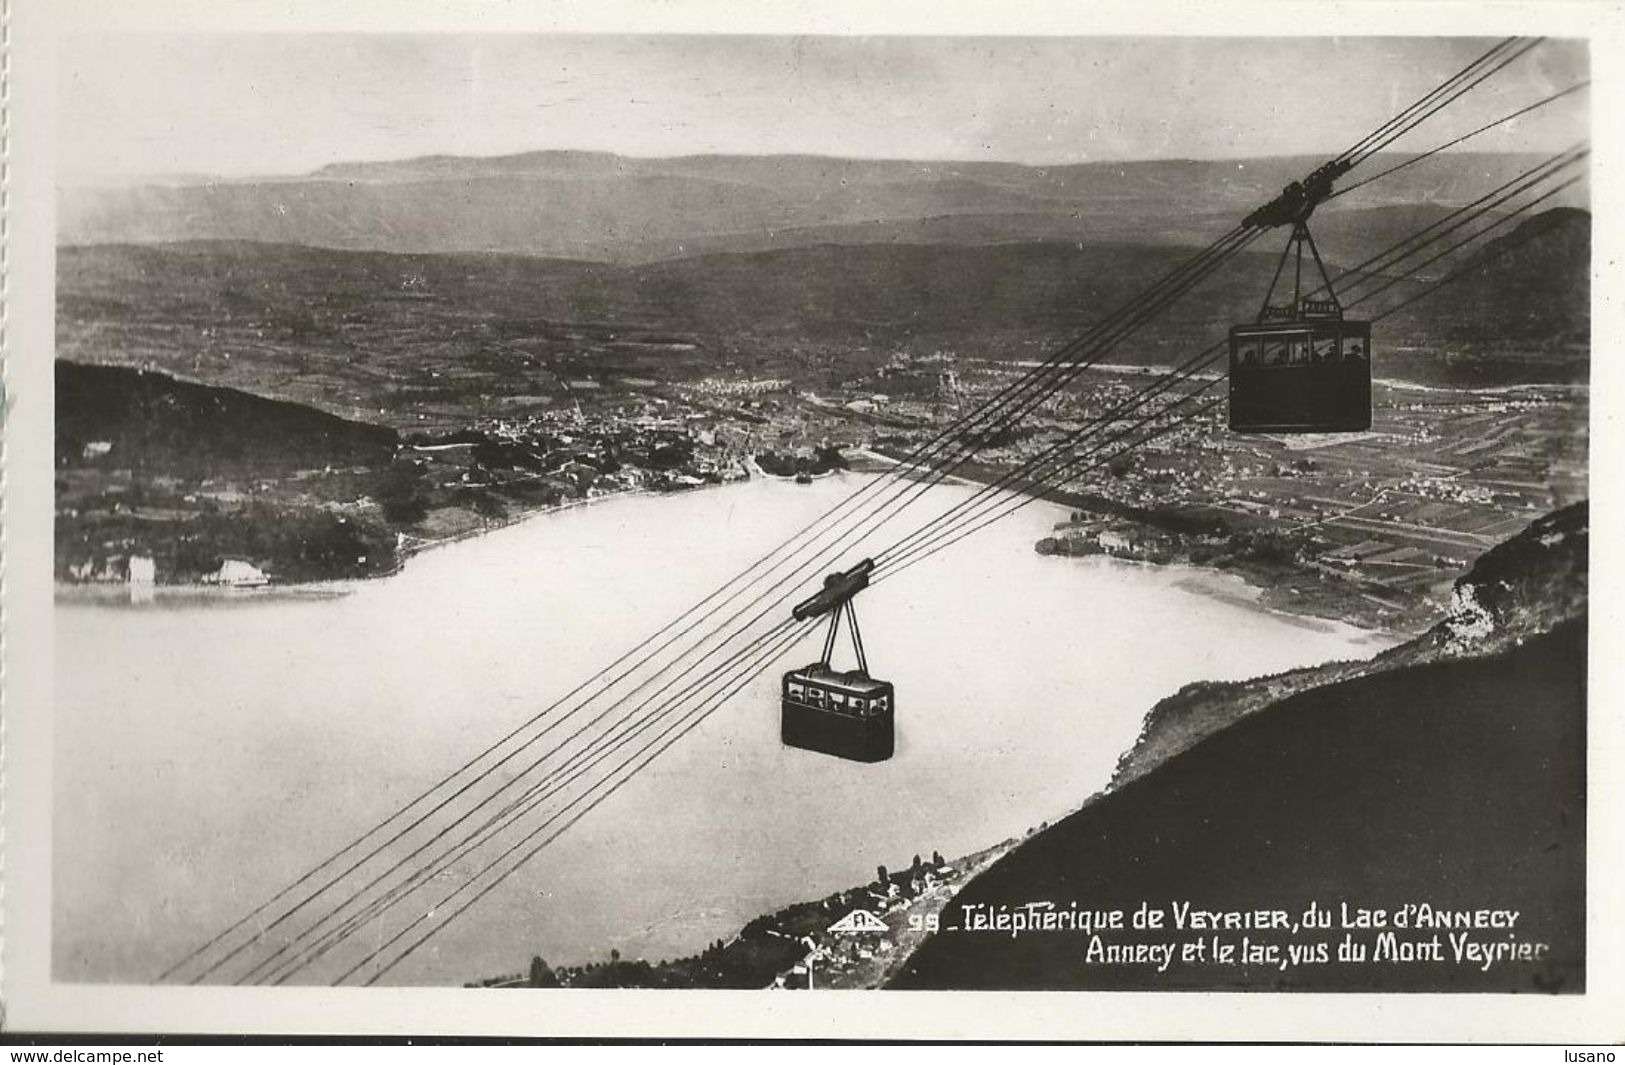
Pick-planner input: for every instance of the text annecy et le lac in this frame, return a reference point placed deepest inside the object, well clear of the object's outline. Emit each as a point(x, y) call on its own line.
point(1182, 932)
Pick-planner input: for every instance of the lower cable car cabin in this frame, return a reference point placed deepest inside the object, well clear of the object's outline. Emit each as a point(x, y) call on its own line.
point(849, 715)
point(1304, 376)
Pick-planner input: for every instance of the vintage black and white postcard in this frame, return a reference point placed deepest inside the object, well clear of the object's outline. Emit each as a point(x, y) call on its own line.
point(600, 504)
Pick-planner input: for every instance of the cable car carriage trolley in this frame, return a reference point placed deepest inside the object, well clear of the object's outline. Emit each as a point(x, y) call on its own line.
point(1300, 367)
point(846, 714)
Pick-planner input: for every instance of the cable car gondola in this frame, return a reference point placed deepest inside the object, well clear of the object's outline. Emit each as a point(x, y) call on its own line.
point(1301, 367)
point(846, 714)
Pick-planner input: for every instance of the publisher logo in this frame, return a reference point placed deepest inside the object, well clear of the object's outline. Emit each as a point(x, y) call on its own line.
point(856, 922)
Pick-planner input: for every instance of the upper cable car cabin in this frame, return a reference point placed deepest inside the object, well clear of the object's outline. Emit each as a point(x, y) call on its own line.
point(1303, 376)
point(846, 714)
point(1300, 367)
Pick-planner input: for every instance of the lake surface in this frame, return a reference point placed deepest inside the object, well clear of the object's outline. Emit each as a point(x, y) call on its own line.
point(211, 748)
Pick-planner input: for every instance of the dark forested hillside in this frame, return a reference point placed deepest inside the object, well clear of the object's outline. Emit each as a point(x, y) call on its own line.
point(1450, 771)
point(169, 426)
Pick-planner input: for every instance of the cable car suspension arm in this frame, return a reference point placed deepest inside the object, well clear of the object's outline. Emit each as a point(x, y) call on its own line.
point(1301, 307)
point(839, 588)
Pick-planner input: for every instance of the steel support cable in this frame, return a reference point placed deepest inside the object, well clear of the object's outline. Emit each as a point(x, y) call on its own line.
point(595, 719)
point(824, 556)
point(1505, 246)
point(1152, 311)
point(1411, 271)
point(1037, 462)
point(1464, 215)
point(1470, 238)
point(520, 774)
point(896, 473)
point(649, 752)
point(910, 490)
point(950, 533)
point(1104, 346)
point(558, 780)
point(1064, 364)
point(1447, 103)
point(1436, 149)
point(1456, 94)
point(923, 551)
point(731, 684)
point(1098, 349)
point(545, 781)
point(695, 717)
point(624, 725)
point(1089, 428)
point(1427, 98)
point(1107, 345)
point(1396, 252)
point(1034, 389)
point(918, 488)
point(1057, 362)
point(895, 569)
point(1174, 285)
point(288, 889)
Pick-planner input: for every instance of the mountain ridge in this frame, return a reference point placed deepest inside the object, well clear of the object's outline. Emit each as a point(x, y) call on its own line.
point(632, 209)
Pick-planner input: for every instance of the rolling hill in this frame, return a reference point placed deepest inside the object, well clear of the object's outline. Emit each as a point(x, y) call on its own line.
point(370, 334)
point(1532, 288)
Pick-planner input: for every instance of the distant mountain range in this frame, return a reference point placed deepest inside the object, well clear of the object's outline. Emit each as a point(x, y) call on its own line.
point(609, 208)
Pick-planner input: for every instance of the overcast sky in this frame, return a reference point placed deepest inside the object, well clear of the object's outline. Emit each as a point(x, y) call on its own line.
point(288, 103)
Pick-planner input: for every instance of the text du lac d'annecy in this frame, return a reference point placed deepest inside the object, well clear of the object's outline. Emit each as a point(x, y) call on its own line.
point(1413, 932)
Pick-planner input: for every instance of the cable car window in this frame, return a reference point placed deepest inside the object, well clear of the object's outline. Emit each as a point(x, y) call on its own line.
point(1247, 352)
point(1354, 347)
point(797, 691)
point(1275, 352)
point(857, 706)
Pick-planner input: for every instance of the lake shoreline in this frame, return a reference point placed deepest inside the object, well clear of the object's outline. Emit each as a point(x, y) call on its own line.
point(108, 592)
point(111, 592)
point(1313, 612)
